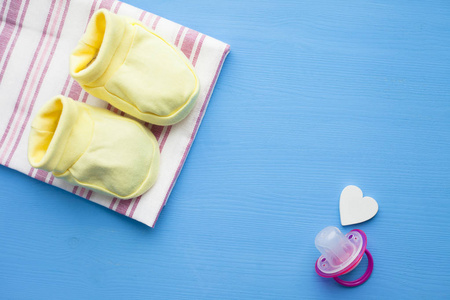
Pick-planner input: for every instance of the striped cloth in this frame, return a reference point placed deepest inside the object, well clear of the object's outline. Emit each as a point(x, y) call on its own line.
point(36, 38)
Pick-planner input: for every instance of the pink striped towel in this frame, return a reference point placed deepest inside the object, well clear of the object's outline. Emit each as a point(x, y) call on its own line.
point(36, 38)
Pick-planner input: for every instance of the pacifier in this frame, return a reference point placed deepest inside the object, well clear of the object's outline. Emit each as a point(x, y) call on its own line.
point(341, 254)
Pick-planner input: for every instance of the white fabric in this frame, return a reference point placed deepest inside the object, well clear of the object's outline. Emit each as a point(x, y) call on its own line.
point(36, 38)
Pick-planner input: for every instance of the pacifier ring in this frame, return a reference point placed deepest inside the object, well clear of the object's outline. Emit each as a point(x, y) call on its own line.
point(363, 278)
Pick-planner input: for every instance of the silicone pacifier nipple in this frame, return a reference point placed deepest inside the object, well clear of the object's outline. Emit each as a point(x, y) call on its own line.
point(335, 248)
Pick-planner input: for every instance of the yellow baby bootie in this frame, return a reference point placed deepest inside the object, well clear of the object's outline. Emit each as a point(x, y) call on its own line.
point(123, 62)
point(94, 148)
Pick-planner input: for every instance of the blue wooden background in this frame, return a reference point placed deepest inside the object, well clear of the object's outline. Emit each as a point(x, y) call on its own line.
point(314, 96)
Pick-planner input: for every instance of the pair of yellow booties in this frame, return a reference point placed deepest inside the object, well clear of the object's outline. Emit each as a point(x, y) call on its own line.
point(120, 61)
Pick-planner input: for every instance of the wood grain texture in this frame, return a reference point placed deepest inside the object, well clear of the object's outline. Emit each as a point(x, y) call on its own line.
point(315, 95)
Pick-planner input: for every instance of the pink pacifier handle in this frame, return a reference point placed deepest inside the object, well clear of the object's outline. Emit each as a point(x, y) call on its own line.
point(363, 278)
